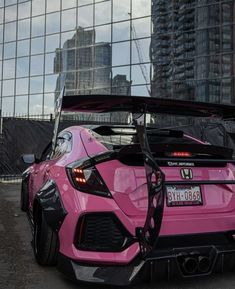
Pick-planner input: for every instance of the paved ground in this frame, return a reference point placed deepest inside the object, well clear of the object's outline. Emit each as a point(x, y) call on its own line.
point(18, 269)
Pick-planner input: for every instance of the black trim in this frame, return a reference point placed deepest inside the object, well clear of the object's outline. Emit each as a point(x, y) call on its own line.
point(205, 152)
point(206, 182)
point(129, 239)
point(163, 262)
point(25, 174)
point(51, 203)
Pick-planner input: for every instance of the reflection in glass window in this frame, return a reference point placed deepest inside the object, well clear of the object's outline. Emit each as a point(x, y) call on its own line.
point(52, 42)
point(53, 5)
point(85, 16)
point(22, 85)
point(1, 33)
point(102, 79)
point(121, 53)
point(140, 74)
point(1, 16)
point(9, 50)
point(37, 64)
point(121, 10)
point(71, 80)
point(68, 4)
point(1, 3)
point(50, 83)
point(23, 48)
point(35, 104)
point(103, 33)
point(53, 23)
point(38, 24)
point(66, 36)
point(0, 69)
point(121, 31)
point(141, 8)
point(38, 7)
point(103, 13)
point(49, 100)
point(49, 63)
point(140, 50)
point(37, 45)
point(24, 10)
point(84, 2)
point(9, 68)
point(121, 84)
point(10, 31)
point(21, 105)
point(141, 27)
point(68, 19)
point(23, 29)
point(10, 13)
point(8, 87)
point(36, 84)
point(22, 68)
point(140, 90)
point(1, 46)
point(8, 106)
point(10, 2)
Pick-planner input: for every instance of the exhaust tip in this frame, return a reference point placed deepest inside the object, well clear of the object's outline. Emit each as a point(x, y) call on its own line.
point(190, 265)
point(204, 264)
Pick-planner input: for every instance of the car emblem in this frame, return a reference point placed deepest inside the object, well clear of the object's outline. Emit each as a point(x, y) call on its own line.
point(186, 174)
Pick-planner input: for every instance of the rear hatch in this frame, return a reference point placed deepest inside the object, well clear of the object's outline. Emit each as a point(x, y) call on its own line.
point(199, 176)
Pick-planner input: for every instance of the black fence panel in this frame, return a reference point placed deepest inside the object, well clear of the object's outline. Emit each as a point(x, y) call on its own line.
point(21, 136)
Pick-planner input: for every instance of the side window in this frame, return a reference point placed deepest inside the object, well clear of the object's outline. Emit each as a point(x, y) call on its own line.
point(63, 145)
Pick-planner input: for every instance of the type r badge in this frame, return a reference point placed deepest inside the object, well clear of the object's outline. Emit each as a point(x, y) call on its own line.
point(186, 174)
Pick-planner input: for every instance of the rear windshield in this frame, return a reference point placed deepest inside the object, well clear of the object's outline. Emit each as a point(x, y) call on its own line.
point(122, 138)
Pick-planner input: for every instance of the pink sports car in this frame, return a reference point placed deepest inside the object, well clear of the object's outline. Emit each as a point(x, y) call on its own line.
point(114, 203)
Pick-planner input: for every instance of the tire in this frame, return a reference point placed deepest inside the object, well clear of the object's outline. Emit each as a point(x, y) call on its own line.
point(24, 197)
point(45, 242)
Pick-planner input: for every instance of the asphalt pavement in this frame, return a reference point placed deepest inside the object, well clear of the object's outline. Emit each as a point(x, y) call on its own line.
point(18, 269)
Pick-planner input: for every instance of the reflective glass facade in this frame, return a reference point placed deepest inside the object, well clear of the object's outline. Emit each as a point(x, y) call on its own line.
point(90, 46)
point(174, 48)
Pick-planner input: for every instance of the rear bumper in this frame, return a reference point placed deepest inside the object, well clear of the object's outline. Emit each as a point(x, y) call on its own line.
point(167, 263)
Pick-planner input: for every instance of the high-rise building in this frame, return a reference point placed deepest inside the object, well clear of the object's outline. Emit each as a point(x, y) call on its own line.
point(193, 49)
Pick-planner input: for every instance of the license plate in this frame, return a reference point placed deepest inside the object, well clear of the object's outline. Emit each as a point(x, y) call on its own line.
point(183, 196)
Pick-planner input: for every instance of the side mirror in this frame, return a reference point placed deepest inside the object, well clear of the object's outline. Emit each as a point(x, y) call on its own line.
point(28, 159)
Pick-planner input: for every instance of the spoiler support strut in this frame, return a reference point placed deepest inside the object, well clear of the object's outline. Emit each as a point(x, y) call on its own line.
point(148, 235)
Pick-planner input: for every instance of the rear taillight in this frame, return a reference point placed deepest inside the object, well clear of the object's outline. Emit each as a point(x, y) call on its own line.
point(181, 154)
point(85, 177)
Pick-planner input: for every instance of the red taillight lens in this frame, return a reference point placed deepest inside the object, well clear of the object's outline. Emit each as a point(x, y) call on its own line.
point(180, 154)
point(87, 179)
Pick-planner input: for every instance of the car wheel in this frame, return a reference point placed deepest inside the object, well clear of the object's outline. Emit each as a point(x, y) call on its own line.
point(24, 198)
point(45, 242)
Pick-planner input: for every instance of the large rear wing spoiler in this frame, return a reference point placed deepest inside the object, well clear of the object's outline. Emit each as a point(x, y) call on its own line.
point(148, 234)
point(136, 104)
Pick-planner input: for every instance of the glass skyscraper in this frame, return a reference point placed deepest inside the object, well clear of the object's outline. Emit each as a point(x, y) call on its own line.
point(160, 48)
point(89, 46)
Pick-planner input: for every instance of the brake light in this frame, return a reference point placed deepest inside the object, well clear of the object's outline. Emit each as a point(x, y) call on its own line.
point(180, 154)
point(85, 177)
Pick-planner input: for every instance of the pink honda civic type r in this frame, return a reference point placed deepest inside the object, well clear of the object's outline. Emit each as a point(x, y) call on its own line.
point(113, 204)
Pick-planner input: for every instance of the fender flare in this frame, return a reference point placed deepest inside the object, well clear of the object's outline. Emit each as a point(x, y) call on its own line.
point(50, 201)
